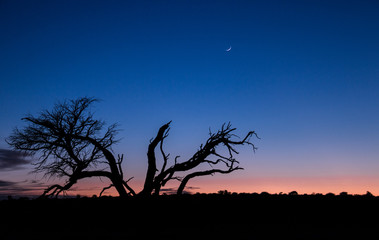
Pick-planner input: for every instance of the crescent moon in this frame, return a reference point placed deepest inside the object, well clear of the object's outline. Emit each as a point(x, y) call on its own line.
point(230, 48)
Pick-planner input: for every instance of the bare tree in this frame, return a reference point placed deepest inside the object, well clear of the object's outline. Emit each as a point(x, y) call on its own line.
point(71, 144)
point(207, 154)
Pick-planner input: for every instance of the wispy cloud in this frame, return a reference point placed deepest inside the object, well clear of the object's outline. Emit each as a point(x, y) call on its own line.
point(27, 187)
point(5, 184)
point(12, 160)
point(174, 190)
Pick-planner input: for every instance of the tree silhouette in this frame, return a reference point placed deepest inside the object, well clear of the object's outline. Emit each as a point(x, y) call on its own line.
point(72, 144)
point(206, 154)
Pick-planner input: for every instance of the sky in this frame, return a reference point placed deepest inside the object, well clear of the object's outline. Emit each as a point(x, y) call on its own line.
point(303, 74)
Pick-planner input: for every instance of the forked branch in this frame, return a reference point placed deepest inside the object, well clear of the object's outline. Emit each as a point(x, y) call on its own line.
point(223, 163)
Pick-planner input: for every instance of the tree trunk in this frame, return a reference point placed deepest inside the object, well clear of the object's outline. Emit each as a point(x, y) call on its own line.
point(152, 165)
point(116, 177)
point(118, 184)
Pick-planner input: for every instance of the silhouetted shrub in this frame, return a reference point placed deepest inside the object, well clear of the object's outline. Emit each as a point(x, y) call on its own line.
point(265, 194)
point(293, 193)
point(368, 194)
point(224, 192)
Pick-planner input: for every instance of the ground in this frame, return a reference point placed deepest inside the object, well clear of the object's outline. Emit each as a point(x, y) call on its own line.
point(243, 216)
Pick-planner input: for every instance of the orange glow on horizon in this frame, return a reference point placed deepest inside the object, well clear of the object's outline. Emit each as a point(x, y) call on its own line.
point(303, 185)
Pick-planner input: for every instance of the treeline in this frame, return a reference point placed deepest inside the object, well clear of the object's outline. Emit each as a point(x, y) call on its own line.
point(223, 194)
point(292, 193)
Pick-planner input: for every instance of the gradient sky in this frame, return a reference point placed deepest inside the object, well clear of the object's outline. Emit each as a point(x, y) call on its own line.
point(303, 74)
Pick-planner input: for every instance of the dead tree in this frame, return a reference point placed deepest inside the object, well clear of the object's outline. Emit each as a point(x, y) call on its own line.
point(71, 144)
point(208, 153)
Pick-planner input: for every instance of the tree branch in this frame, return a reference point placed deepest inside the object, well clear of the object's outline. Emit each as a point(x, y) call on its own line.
point(203, 173)
point(105, 188)
point(223, 137)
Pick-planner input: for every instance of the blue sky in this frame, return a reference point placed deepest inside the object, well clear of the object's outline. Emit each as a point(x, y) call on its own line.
point(303, 74)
